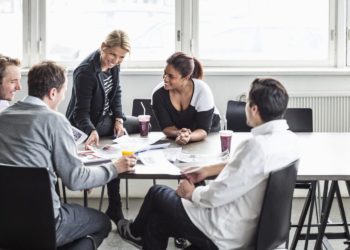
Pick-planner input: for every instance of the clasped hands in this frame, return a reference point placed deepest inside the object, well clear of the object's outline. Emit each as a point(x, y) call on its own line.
point(186, 186)
point(183, 136)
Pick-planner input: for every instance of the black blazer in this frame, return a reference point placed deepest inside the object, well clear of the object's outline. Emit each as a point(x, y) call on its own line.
point(86, 105)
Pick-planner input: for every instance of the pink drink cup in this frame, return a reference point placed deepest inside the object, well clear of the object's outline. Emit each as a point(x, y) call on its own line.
point(225, 138)
point(144, 124)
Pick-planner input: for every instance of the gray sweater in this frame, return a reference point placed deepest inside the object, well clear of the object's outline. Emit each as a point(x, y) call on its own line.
point(35, 136)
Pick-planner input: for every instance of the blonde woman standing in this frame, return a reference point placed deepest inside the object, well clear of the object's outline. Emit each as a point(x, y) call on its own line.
point(95, 106)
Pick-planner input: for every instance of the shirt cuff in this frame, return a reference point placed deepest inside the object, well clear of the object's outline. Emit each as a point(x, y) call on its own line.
point(196, 194)
point(112, 169)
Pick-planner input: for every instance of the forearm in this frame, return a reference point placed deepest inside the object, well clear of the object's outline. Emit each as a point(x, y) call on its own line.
point(213, 170)
point(198, 135)
point(171, 132)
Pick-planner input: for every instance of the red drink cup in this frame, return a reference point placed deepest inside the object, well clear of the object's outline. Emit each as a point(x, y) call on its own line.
point(144, 124)
point(225, 138)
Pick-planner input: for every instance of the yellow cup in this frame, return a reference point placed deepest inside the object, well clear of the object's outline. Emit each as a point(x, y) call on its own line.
point(127, 152)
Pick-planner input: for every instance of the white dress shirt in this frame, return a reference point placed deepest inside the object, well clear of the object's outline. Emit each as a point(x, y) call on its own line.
point(3, 105)
point(228, 208)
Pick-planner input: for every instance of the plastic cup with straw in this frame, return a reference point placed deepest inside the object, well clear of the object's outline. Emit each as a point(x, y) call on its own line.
point(144, 122)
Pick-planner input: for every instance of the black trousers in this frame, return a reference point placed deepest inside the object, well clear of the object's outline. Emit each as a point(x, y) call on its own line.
point(105, 128)
point(161, 216)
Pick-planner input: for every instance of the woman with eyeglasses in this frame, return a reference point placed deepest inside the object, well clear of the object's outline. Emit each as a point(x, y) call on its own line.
point(183, 103)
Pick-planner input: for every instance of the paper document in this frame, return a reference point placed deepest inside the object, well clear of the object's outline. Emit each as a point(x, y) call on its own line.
point(139, 144)
point(107, 151)
point(200, 159)
point(89, 157)
point(79, 136)
point(155, 162)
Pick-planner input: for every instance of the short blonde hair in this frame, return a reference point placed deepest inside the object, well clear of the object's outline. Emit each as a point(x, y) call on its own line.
point(117, 38)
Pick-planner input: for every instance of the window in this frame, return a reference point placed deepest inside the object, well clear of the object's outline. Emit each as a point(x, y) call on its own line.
point(258, 31)
point(75, 28)
point(11, 28)
point(221, 33)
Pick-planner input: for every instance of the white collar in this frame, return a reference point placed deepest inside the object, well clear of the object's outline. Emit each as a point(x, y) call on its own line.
point(34, 100)
point(271, 126)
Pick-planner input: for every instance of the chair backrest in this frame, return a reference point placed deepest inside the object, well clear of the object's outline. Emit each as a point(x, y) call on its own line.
point(26, 210)
point(138, 110)
point(235, 117)
point(274, 221)
point(299, 119)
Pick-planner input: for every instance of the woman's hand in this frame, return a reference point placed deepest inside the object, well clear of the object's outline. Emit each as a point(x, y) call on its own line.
point(183, 137)
point(118, 128)
point(93, 139)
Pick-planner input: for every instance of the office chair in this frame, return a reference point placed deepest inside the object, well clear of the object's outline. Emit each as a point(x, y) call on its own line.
point(138, 110)
point(299, 119)
point(273, 226)
point(26, 211)
point(235, 117)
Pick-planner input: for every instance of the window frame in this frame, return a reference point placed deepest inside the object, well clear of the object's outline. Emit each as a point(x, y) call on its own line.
point(269, 63)
point(186, 38)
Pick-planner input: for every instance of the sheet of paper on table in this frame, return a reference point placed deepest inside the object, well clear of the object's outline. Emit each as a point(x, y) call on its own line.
point(155, 162)
point(89, 157)
point(138, 144)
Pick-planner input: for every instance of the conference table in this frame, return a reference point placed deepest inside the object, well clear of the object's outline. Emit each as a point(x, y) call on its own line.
point(323, 157)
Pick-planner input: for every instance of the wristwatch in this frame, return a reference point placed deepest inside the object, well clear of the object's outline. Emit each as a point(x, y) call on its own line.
point(120, 120)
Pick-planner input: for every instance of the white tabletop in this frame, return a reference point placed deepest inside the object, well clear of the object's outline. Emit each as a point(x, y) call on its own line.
point(324, 156)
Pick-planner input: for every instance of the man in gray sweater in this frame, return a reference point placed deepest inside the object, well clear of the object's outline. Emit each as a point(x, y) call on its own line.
point(34, 134)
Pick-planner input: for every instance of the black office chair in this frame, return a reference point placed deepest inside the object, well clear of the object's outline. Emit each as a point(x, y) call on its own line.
point(235, 117)
point(137, 110)
point(273, 226)
point(26, 211)
point(299, 119)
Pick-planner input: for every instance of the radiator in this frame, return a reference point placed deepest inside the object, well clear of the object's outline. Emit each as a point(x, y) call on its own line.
point(330, 113)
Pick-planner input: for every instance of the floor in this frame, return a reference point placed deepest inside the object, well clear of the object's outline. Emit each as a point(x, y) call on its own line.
point(115, 242)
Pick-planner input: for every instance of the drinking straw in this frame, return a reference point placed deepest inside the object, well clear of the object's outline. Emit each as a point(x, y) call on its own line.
point(144, 109)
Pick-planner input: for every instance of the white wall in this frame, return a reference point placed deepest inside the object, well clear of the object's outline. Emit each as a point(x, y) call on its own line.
point(224, 85)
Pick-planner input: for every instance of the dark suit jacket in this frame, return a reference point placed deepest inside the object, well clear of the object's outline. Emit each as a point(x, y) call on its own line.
point(86, 105)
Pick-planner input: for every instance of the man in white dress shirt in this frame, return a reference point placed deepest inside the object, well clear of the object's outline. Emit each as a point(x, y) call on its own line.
point(223, 214)
point(10, 80)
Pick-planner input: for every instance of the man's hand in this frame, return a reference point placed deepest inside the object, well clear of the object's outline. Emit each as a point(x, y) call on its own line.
point(185, 189)
point(125, 163)
point(195, 174)
point(93, 139)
